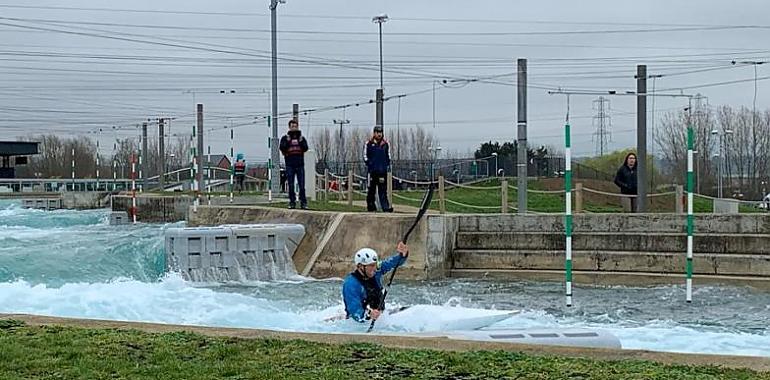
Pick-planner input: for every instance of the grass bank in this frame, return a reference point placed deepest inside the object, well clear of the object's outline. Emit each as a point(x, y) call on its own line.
point(58, 352)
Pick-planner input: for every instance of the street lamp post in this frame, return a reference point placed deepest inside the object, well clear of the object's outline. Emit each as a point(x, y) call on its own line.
point(341, 154)
point(434, 155)
point(720, 155)
point(170, 164)
point(379, 20)
point(434, 102)
point(495, 156)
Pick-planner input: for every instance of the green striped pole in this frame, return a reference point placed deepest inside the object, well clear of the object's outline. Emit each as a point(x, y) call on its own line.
point(192, 160)
point(690, 226)
point(568, 213)
point(269, 166)
point(232, 162)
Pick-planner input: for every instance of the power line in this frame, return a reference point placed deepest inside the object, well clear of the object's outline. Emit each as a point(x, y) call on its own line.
point(395, 33)
point(355, 17)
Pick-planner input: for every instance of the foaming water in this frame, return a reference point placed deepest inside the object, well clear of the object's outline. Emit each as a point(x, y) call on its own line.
point(172, 300)
point(63, 246)
point(72, 264)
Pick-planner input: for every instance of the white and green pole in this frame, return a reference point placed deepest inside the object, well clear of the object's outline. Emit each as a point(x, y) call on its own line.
point(690, 218)
point(269, 165)
point(194, 169)
point(568, 213)
point(232, 163)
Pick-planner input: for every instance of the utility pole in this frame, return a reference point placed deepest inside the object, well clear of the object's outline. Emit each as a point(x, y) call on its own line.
point(143, 157)
point(603, 123)
point(341, 149)
point(641, 137)
point(521, 148)
point(378, 112)
point(696, 123)
point(654, 142)
point(274, 173)
point(162, 155)
point(97, 159)
point(379, 94)
point(199, 152)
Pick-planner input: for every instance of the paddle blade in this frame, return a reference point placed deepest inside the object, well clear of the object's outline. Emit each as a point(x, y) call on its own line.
point(423, 209)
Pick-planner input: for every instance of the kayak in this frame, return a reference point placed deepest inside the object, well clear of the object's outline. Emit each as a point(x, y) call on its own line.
point(425, 318)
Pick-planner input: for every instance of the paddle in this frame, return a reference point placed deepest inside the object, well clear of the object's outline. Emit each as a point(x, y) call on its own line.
point(423, 208)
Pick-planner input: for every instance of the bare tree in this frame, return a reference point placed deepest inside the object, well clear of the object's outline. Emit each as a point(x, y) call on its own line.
point(744, 149)
point(55, 158)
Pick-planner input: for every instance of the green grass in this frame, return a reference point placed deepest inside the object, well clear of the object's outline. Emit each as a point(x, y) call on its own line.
point(749, 209)
point(492, 198)
point(701, 205)
point(51, 352)
point(547, 203)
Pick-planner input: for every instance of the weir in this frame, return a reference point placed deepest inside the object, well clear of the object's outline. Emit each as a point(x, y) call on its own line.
point(234, 252)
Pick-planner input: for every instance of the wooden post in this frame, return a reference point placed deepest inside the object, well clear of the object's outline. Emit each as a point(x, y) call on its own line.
point(441, 203)
point(390, 189)
point(504, 196)
point(679, 201)
point(350, 187)
point(578, 197)
point(339, 187)
point(326, 185)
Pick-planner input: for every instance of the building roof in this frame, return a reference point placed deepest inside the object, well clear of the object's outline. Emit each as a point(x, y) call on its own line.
point(215, 158)
point(18, 148)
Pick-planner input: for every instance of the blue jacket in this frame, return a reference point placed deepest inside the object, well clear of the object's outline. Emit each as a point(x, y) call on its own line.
point(377, 156)
point(354, 293)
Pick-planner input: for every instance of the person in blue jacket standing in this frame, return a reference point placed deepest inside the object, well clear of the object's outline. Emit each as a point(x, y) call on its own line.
point(377, 159)
point(362, 288)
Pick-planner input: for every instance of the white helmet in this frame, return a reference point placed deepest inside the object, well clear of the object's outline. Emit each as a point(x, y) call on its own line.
point(365, 256)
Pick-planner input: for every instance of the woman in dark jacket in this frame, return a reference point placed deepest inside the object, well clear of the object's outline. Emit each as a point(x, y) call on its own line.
point(626, 178)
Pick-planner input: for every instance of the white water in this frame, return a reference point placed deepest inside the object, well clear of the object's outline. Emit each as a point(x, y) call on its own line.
point(175, 301)
point(72, 264)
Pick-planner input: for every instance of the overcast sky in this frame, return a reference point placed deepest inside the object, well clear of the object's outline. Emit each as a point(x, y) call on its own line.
point(73, 71)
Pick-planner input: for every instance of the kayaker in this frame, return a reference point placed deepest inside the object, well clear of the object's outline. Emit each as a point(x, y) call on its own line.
point(362, 288)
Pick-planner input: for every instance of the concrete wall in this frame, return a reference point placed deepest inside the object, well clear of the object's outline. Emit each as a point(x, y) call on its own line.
point(442, 232)
point(638, 223)
point(378, 231)
point(645, 245)
point(155, 208)
point(85, 200)
point(653, 244)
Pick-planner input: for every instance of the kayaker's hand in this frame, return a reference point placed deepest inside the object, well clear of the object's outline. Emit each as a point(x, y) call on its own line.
point(402, 249)
point(374, 314)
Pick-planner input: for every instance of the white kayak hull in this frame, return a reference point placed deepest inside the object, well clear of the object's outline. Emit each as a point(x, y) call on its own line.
point(572, 337)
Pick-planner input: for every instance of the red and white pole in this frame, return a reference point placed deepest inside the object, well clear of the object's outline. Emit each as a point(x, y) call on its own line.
point(133, 188)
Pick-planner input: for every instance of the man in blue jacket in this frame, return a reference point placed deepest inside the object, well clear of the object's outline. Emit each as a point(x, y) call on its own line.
point(362, 288)
point(377, 158)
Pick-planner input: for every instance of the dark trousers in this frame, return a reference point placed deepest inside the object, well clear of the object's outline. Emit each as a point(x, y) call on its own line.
point(299, 172)
point(377, 183)
point(239, 178)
